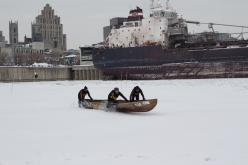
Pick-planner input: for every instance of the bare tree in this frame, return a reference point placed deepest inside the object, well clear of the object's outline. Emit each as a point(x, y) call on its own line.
point(27, 59)
point(3, 58)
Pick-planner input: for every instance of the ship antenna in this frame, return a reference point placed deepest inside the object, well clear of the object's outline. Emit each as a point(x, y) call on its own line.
point(167, 4)
point(152, 4)
point(156, 4)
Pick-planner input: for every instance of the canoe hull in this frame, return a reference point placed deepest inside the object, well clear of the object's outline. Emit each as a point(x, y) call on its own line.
point(138, 106)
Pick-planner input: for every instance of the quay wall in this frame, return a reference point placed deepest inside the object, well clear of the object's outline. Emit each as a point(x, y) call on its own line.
point(8, 74)
point(168, 71)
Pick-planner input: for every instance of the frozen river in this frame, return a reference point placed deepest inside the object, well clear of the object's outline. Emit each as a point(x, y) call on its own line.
point(196, 122)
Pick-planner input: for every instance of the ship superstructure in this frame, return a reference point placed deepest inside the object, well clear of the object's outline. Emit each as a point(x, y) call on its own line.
point(154, 30)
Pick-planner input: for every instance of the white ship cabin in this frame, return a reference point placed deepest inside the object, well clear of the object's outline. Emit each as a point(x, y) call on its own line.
point(139, 31)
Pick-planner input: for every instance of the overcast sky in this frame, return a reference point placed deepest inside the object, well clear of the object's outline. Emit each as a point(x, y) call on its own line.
point(83, 19)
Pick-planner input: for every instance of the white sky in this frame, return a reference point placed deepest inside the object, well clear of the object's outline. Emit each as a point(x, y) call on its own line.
point(83, 20)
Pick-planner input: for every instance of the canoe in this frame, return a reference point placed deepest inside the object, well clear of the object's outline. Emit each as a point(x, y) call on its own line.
point(120, 106)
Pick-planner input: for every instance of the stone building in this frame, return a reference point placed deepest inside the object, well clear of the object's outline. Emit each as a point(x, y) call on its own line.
point(47, 28)
point(13, 33)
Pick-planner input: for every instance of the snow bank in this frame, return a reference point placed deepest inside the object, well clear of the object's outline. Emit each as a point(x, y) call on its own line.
point(196, 122)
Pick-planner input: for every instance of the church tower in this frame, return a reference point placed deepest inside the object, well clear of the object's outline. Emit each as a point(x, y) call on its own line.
point(13, 33)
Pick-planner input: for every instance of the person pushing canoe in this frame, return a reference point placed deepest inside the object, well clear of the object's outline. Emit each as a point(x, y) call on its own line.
point(82, 94)
point(114, 94)
point(134, 96)
point(113, 104)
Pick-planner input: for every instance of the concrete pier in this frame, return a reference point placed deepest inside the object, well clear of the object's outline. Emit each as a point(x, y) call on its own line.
point(86, 73)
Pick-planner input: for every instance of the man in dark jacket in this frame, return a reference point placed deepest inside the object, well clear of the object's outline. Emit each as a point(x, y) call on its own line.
point(114, 94)
point(82, 93)
point(134, 96)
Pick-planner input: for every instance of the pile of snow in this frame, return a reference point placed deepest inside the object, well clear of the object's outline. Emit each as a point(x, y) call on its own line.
point(196, 122)
point(43, 65)
point(71, 56)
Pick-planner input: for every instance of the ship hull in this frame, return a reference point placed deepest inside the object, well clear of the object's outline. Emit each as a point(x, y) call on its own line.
point(154, 62)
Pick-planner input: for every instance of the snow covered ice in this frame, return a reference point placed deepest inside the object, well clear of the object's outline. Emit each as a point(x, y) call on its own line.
point(196, 122)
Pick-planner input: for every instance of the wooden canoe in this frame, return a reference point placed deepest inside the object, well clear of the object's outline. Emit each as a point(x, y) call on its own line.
point(121, 106)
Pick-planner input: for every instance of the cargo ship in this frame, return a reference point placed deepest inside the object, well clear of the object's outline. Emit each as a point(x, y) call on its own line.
point(160, 47)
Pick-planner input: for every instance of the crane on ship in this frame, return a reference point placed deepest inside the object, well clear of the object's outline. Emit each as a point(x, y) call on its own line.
point(211, 26)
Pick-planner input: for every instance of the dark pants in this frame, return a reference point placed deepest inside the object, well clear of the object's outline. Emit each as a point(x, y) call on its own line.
point(80, 102)
point(135, 98)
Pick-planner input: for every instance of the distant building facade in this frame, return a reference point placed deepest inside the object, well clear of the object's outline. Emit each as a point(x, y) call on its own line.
point(47, 28)
point(46, 45)
point(86, 55)
point(3, 42)
point(13, 33)
point(2, 38)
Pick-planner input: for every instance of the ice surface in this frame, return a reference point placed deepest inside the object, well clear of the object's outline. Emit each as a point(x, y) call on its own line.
point(196, 122)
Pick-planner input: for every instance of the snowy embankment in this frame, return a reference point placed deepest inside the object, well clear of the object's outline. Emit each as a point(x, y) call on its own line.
point(196, 122)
